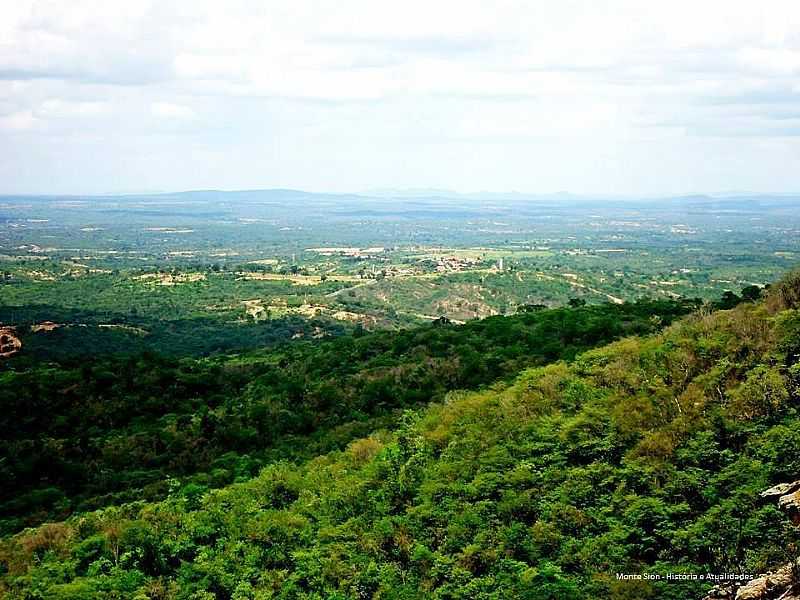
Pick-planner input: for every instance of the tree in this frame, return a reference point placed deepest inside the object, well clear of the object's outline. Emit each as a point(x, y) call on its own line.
point(728, 300)
point(442, 322)
point(529, 308)
point(751, 293)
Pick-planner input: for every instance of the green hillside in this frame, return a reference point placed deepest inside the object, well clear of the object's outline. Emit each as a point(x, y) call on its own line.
point(643, 456)
point(86, 433)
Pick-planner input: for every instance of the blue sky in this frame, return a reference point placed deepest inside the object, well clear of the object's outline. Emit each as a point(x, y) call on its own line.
point(609, 97)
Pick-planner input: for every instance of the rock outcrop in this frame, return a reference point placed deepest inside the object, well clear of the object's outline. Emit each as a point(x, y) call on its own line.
point(10, 344)
point(783, 584)
point(780, 584)
point(788, 498)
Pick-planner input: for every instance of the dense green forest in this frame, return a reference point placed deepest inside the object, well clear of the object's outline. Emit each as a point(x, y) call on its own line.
point(83, 433)
point(554, 467)
point(100, 334)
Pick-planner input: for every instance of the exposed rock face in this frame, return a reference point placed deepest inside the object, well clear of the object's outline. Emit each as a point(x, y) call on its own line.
point(784, 584)
point(790, 504)
point(781, 490)
point(777, 585)
point(44, 326)
point(10, 344)
point(788, 498)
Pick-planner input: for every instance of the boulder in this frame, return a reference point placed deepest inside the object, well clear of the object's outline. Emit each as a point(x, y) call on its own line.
point(784, 584)
point(781, 489)
point(775, 585)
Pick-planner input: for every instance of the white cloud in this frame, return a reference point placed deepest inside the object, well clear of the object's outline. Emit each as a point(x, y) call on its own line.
point(168, 110)
point(58, 108)
point(20, 121)
point(781, 61)
point(417, 83)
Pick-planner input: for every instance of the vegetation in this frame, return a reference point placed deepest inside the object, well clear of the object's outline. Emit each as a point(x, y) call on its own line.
point(237, 264)
point(643, 456)
point(85, 433)
point(274, 394)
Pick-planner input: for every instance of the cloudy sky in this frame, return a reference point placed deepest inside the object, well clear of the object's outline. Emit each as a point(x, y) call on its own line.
point(639, 97)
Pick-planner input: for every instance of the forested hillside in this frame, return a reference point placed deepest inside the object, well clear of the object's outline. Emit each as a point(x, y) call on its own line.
point(81, 434)
point(643, 456)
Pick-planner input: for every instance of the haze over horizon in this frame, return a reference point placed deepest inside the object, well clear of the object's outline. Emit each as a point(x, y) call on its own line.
point(425, 194)
point(620, 99)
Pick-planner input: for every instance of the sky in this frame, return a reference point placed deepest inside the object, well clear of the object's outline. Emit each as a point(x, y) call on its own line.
point(598, 97)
